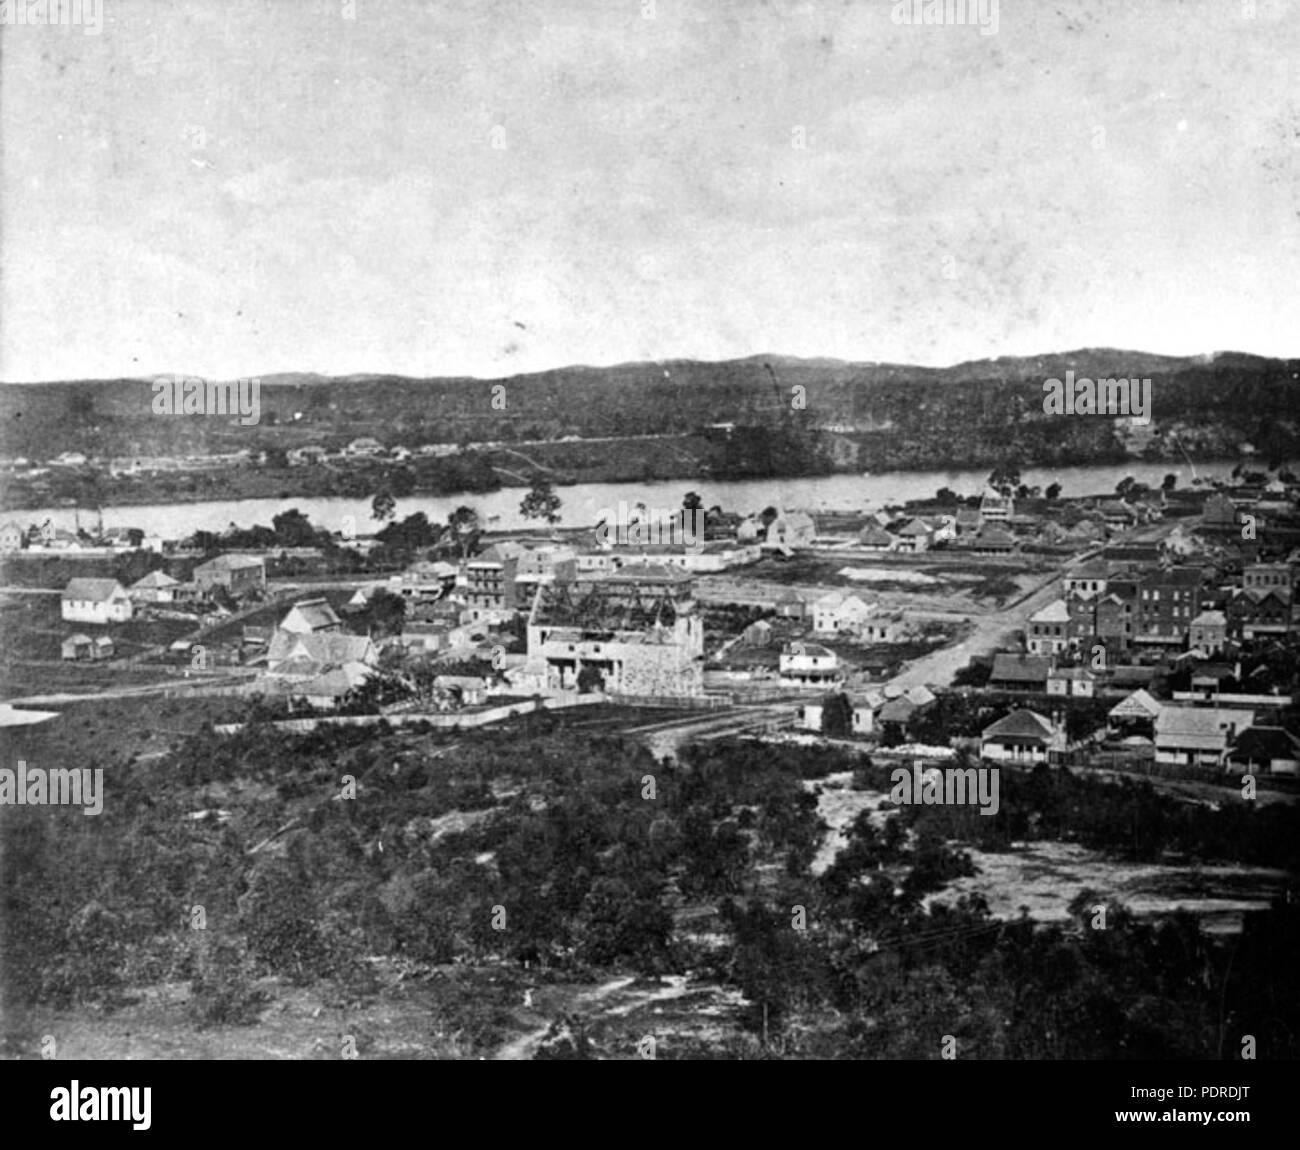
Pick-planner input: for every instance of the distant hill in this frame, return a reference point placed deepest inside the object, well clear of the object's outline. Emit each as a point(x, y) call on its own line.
point(854, 415)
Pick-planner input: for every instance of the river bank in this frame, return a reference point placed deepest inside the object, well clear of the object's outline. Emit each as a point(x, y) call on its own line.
point(583, 504)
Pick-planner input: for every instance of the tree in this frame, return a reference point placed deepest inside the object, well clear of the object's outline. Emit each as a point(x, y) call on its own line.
point(1170, 482)
point(384, 613)
point(1125, 486)
point(541, 502)
point(1005, 479)
point(1053, 491)
point(293, 529)
point(383, 506)
point(464, 526)
point(590, 679)
point(413, 532)
point(207, 542)
point(691, 501)
point(276, 458)
point(837, 716)
point(946, 495)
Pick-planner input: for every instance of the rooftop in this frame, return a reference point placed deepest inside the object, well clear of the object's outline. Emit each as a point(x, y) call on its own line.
point(1054, 612)
point(1020, 724)
point(94, 590)
point(1020, 668)
point(230, 563)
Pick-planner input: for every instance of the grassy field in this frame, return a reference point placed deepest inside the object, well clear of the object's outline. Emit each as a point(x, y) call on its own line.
point(107, 731)
point(32, 630)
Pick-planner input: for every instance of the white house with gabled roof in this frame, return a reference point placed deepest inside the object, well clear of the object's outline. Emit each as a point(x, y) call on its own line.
point(95, 601)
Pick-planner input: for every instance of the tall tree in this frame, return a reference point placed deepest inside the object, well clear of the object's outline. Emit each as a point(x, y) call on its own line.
point(837, 716)
point(1005, 478)
point(293, 529)
point(541, 502)
point(383, 506)
point(465, 528)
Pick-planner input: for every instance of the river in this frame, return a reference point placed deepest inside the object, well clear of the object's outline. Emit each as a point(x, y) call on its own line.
point(582, 504)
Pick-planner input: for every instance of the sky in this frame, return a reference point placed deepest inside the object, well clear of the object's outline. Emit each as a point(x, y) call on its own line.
point(490, 187)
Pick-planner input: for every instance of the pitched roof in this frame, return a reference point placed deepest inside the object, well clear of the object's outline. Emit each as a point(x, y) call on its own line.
point(1264, 743)
point(839, 600)
point(1020, 668)
point(1020, 724)
point(646, 573)
point(993, 536)
point(1210, 619)
point(1092, 569)
point(229, 563)
point(1055, 612)
point(916, 527)
point(1139, 705)
point(315, 613)
point(1256, 597)
point(95, 590)
point(314, 652)
point(875, 537)
point(155, 580)
point(794, 519)
point(897, 710)
point(1205, 728)
point(336, 682)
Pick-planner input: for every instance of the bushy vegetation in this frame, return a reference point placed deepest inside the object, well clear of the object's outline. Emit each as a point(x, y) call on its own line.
point(320, 856)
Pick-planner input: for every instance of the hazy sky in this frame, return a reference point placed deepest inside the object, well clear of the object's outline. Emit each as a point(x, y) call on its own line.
point(491, 187)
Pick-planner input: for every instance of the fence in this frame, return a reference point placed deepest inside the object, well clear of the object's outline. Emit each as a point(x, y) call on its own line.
point(676, 702)
point(456, 720)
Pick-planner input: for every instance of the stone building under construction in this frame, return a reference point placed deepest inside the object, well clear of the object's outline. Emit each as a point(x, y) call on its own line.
point(639, 630)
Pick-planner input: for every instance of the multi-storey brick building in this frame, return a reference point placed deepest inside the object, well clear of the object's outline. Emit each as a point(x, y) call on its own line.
point(1049, 629)
point(1168, 600)
point(490, 587)
point(1266, 577)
